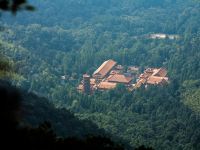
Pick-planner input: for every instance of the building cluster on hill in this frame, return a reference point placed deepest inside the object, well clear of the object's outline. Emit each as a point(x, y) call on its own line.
point(152, 76)
point(109, 74)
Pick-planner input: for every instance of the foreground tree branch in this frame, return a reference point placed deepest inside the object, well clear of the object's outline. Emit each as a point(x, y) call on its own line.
point(15, 5)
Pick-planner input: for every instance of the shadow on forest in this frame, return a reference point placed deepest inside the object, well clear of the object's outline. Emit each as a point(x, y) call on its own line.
point(42, 137)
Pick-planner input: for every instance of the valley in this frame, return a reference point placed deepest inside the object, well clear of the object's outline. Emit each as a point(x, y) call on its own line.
point(153, 48)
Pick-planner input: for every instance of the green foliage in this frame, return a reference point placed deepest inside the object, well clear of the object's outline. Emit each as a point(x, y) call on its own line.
point(191, 94)
point(154, 117)
point(14, 133)
point(63, 121)
point(80, 35)
point(4, 64)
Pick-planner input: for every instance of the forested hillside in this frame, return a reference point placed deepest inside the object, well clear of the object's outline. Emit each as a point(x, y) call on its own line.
point(75, 36)
point(25, 125)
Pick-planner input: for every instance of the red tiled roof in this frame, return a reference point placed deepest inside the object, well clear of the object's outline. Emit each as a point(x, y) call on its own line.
point(140, 82)
point(162, 72)
point(144, 75)
point(156, 80)
point(119, 78)
point(105, 68)
point(107, 85)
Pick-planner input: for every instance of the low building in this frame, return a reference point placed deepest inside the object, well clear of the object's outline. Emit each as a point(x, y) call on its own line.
point(104, 69)
point(153, 76)
point(109, 74)
point(164, 36)
point(106, 85)
point(158, 36)
point(119, 78)
point(92, 85)
point(162, 72)
point(155, 80)
point(139, 83)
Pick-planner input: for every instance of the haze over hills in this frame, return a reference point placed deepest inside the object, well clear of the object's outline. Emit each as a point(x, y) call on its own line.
point(70, 38)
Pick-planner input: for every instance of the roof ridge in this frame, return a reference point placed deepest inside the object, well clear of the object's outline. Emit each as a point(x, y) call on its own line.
point(101, 67)
point(104, 65)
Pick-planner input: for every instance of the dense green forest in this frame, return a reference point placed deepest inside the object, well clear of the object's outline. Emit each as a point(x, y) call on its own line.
point(18, 106)
point(75, 36)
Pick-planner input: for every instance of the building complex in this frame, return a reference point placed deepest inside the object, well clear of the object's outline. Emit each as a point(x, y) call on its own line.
point(109, 74)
